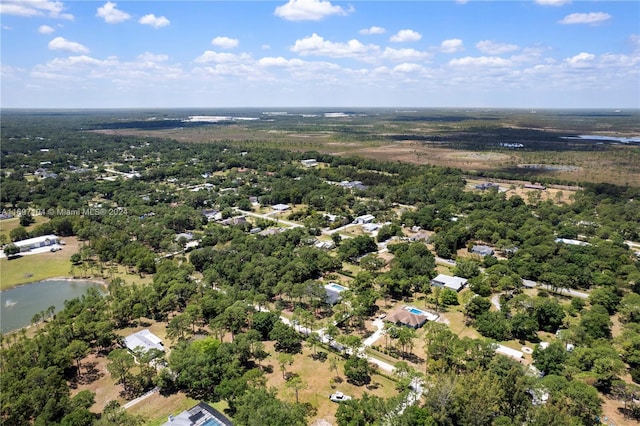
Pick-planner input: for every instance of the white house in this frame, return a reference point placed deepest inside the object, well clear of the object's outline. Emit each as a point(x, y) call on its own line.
point(311, 162)
point(143, 339)
point(366, 218)
point(37, 242)
point(280, 207)
point(446, 281)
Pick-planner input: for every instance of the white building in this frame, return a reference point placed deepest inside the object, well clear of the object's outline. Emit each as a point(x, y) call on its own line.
point(366, 218)
point(311, 162)
point(446, 281)
point(143, 339)
point(37, 242)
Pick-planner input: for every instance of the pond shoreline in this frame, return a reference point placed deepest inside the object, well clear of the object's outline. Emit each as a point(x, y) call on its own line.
point(101, 281)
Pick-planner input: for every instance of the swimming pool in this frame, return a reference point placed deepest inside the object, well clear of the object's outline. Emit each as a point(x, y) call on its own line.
point(336, 287)
point(430, 316)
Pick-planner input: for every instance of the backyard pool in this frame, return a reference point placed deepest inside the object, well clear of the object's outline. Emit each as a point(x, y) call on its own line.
point(430, 316)
point(336, 287)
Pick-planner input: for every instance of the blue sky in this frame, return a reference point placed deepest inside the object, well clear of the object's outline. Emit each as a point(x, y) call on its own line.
point(112, 54)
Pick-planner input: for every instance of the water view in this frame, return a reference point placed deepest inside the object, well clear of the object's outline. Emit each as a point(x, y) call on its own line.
point(19, 304)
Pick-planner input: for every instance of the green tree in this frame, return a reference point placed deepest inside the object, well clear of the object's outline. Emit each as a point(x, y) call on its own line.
point(357, 370)
point(77, 350)
point(11, 249)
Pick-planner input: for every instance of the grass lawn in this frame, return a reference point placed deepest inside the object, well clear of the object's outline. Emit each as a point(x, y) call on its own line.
point(157, 408)
point(7, 225)
point(37, 267)
point(317, 376)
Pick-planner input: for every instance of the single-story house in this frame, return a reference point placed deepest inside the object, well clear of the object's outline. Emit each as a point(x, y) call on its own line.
point(366, 218)
point(482, 250)
point(311, 162)
point(143, 339)
point(236, 220)
point(201, 414)
point(446, 281)
point(420, 236)
point(333, 291)
point(280, 207)
point(371, 227)
point(571, 242)
point(513, 353)
point(403, 317)
point(211, 214)
point(325, 245)
point(37, 242)
point(187, 236)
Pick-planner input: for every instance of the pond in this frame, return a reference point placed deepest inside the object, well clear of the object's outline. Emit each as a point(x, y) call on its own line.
point(21, 303)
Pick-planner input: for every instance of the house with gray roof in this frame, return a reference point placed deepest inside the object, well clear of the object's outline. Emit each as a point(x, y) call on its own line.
point(447, 281)
point(143, 339)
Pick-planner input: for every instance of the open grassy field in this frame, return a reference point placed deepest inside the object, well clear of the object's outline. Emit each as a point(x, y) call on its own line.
point(472, 140)
point(37, 267)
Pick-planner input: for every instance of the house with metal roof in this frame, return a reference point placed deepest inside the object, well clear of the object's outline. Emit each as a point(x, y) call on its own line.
point(446, 281)
point(143, 339)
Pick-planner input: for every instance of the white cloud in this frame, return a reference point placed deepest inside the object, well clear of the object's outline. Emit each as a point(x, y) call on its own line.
point(581, 59)
point(61, 43)
point(225, 42)
point(154, 21)
point(372, 30)
point(111, 15)
point(45, 29)
point(408, 68)
point(452, 45)
point(52, 9)
point(152, 57)
point(405, 35)
point(308, 10)
point(585, 18)
point(490, 47)
point(220, 58)
point(553, 2)
point(317, 45)
point(403, 55)
point(480, 61)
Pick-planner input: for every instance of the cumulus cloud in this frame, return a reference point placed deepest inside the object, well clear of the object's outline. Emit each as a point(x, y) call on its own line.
point(61, 43)
point(52, 9)
point(452, 45)
point(152, 57)
point(402, 55)
point(581, 59)
point(480, 61)
point(45, 29)
point(586, 18)
point(154, 21)
point(372, 30)
point(408, 68)
point(110, 14)
point(553, 2)
point(490, 47)
point(225, 42)
point(211, 56)
point(308, 10)
point(317, 45)
point(405, 35)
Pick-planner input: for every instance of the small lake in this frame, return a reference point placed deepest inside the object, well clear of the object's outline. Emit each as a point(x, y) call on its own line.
point(20, 304)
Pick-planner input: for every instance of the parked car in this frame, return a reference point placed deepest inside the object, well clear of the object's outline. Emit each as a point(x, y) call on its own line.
point(339, 397)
